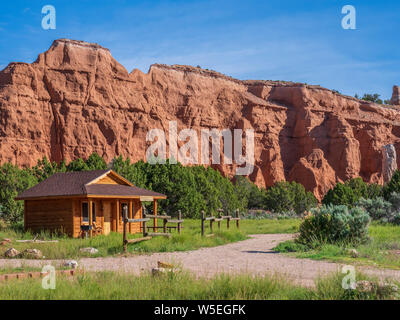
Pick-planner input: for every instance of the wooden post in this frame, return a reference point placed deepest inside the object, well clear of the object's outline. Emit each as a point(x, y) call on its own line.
point(114, 216)
point(155, 213)
point(141, 215)
point(25, 211)
point(219, 217)
point(237, 221)
point(203, 218)
point(179, 223)
point(130, 214)
point(91, 217)
point(125, 221)
point(228, 220)
point(118, 213)
point(211, 224)
point(165, 221)
point(144, 229)
point(101, 210)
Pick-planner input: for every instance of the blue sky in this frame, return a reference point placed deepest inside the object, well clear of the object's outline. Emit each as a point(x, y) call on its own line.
point(270, 40)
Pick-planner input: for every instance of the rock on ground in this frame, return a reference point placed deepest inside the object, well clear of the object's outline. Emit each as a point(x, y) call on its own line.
point(11, 253)
point(32, 253)
point(71, 264)
point(89, 250)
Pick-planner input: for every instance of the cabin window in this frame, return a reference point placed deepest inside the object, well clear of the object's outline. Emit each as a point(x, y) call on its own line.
point(85, 212)
point(124, 206)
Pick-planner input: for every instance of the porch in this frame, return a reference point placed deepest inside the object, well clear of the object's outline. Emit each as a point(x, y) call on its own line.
point(95, 216)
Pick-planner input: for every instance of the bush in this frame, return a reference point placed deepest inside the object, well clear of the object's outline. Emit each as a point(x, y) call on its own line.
point(392, 186)
point(289, 196)
point(262, 214)
point(381, 210)
point(378, 209)
point(252, 195)
point(291, 246)
point(335, 224)
point(13, 181)
point(350, 192)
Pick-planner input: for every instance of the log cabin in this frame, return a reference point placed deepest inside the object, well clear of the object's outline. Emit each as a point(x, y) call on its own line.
point(78, 203)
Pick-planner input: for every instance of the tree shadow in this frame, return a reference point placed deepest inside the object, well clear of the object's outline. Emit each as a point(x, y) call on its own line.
point(257, 251)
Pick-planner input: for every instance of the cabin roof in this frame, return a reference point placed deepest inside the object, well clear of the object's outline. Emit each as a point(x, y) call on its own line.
point(83, 183)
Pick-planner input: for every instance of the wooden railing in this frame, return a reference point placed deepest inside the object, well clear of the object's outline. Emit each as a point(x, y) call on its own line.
point(148, 235)
point(166, 219)
point(218, 219)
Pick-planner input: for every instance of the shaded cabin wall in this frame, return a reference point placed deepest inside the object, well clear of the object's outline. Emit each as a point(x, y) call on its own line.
point(135, 206)
point(77, 217)
point(52, 215)
point(136, 214)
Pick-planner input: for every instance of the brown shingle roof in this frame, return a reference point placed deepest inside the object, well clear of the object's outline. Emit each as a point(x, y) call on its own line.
point(74, 184)
point(119, 190)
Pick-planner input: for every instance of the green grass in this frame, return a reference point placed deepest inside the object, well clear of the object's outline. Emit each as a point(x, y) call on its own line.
point(22, 269)
point(383, 250)
point(179, 286)
point(189, 239)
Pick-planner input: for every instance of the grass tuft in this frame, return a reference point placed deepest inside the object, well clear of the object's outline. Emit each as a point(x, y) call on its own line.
point(181, 286)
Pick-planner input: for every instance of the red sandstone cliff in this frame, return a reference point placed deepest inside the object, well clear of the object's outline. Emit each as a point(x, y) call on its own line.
point(76, 99)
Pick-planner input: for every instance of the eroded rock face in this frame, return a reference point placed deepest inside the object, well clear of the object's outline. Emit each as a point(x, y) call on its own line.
point(314, 173)
point(389, 163)
point(76, 99)
point(395, 96)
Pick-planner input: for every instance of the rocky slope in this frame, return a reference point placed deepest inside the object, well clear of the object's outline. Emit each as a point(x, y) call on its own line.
point(76, 99)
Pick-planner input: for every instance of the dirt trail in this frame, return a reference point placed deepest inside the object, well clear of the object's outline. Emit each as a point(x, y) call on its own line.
point(253, 256)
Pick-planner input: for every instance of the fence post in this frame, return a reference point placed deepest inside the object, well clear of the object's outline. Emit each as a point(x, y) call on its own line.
point(221, 215)
point(227, 222)
point(165, 221)
point(237, 221)
point(125, 218)
point(211, 224)
point(144, 229)
point(203, 218)
point(179, 223)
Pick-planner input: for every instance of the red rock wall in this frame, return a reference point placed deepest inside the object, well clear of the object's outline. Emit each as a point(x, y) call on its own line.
point(76, 99)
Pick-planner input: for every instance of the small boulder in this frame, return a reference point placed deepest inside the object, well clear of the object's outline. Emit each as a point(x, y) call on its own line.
point(33, 254)
point(89, 250)
point(353, 253)
point(158, 271)
point(71, 264)
point(11, 253)
point(162, 271)
point(364, 286)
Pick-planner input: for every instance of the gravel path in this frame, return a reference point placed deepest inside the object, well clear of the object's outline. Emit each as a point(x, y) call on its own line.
point(253, 256)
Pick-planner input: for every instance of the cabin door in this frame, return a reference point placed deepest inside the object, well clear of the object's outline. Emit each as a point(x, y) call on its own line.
point(107, 217)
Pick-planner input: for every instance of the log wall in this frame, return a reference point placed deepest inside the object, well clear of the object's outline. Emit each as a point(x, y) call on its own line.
point(66, 215)
point(51, 215)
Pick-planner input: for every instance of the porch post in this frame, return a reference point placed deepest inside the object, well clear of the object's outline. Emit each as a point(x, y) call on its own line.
point(130, 214)
point(91, 216)
point(25, 226)
point(117, 215)
point(155, 213)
